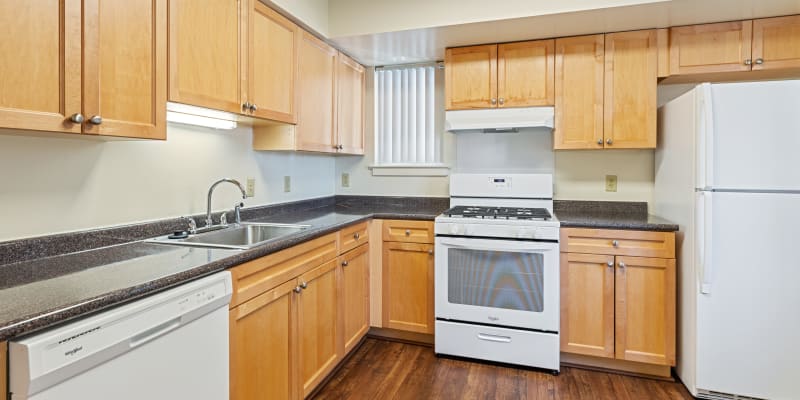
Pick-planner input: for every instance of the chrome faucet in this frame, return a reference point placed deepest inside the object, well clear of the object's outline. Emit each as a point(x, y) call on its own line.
point(209, 221)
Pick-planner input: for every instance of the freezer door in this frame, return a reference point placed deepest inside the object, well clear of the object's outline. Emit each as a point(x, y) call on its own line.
point(754, 136)
point(748, 322)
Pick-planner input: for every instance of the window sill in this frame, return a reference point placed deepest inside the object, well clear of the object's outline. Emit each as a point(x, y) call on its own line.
point(410, 170)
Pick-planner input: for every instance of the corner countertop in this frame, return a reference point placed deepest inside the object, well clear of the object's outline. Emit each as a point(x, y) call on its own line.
point(40, 293)
point(609, 215)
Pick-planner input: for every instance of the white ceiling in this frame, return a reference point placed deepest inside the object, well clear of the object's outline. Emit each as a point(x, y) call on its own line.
point(428, 44)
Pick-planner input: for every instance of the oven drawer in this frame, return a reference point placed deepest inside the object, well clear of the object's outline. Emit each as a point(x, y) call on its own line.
point(618, 242)
point(534, 349)
point(408, 231)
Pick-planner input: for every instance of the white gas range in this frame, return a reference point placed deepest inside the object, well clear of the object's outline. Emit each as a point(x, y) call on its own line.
point(497, 270)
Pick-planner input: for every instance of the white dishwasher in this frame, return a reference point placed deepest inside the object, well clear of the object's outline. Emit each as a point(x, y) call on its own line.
point(172, 345)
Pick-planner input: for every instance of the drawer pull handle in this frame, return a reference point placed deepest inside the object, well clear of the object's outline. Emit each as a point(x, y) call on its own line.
point(494, 338)
point(345, 263)
point(615, 243)
point(356, 236)
point(408, 232)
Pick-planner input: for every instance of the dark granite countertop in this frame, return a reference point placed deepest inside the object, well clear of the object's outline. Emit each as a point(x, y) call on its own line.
point(36, 293)
point(609, 215)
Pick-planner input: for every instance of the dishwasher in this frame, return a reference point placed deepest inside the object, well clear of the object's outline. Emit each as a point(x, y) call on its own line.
point(171, 345)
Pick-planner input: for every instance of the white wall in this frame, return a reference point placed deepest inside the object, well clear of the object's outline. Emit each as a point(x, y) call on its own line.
point(312, 13)
point(57, 184)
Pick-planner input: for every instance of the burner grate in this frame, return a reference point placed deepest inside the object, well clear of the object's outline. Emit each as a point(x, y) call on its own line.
point(499, 213)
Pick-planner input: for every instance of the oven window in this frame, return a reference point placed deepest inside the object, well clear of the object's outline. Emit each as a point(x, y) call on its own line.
point(496, 279)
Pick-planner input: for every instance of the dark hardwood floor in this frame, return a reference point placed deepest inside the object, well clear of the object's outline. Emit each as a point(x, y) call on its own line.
point(391, 370)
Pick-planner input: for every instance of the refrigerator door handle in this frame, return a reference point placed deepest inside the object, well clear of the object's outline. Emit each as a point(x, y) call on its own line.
point(705, 146)
point(703, 235)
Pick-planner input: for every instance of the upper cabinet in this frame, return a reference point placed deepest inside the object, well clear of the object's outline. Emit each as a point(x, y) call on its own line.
point(505, 75)
point(204, 63)
point(752, 45)
point(350, 87)
point(236, 56)
point(317, 81)
point(92, 67)
point(606, 91)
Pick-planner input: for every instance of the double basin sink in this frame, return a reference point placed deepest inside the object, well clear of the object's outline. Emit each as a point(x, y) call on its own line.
point(237, 236)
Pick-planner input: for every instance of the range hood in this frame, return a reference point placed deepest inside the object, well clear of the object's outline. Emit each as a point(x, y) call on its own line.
point(499, 119)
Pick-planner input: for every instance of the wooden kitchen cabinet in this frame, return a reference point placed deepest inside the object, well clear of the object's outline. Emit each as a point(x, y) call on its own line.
point(408, 302)
point(88, 67)
point(204, 45)
point(616, 306)
point(587, 304)
point(3, 370)
point(354, 296)
point(263, 342)
point(506, 75)
point(350, 87)
point(631, 77)
point(645, 310)
point(411, 231)
point(580, 67)
point(317, 83)
point(272, 51)
point(353, 236)
point(317, 325)
point(721, 47)
point(776, 43)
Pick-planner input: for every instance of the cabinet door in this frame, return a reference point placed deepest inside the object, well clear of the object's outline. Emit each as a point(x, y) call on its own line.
point(125, 67)
point(40, 76)
point(317, 316)
point(408, 286)
point(317, 102)
point(204, 64)
point(354, 310)
point(630, 90)
point(579, 93)
point(776, 43)
point(645, 310)
point(525, 74)
point(350, 86)
point(470, 77)
point(263, 335)
point(587, 304)
point(272, 63)
point(721, 47)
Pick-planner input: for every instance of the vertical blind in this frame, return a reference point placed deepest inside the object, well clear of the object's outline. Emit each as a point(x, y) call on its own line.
point(404, 116)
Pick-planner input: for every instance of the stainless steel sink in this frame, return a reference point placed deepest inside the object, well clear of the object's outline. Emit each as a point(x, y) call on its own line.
point(243, 236)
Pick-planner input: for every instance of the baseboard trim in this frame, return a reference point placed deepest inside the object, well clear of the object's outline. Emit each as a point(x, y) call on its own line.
point(397, 335)
point(660, 372)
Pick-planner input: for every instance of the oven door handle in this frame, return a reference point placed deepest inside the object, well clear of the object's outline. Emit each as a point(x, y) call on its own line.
point(494, 338)
point(505, 246)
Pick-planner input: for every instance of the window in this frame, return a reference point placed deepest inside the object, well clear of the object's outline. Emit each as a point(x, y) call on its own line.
point(405, 107)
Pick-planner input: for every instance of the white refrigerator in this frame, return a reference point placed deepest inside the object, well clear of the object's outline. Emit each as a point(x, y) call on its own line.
point(728, 172)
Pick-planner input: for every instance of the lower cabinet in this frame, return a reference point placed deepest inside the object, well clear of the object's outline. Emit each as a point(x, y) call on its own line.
point(317, 320)
point(616, 306)
point(354, 295)
point(408, 287)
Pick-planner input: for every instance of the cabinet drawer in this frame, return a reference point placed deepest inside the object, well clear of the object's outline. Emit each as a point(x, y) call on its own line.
point(258, 276)
point(408, 231)
point(352, 237)
point(618, 242)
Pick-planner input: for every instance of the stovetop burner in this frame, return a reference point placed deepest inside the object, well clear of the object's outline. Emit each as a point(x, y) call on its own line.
point(499, 213)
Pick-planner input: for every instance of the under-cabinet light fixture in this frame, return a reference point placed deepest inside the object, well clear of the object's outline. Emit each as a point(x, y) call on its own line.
point(198, 116)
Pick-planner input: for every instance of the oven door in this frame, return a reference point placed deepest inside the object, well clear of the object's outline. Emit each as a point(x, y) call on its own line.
point(497, 281)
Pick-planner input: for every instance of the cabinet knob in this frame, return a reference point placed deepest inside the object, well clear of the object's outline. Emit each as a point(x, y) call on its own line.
point(77, 118)
point(356, 236)
point(610, 264)
point(341, 147)
point(345, 263)
point(298, 289)
point(430, 252)
point(246, 106)
point(748, 61)
point(600, 142)
point(494, 101)
point(253, 108)
point(502, 101)
point(615, 243)
point(609, 141)
point(622, 265)
point(759, 61)
point(408, 232)
point(96, 120)
point(304, 285)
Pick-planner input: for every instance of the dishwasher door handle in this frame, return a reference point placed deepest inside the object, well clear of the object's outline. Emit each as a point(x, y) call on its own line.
point(154, 332)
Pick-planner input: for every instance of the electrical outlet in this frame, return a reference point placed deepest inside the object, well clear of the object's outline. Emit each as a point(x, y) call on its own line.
point(345, 179)
point(611, 183)
point(287, 183)
point(251, 187)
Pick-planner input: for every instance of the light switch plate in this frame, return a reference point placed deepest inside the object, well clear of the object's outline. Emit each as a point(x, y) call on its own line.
point(345, 179)
point(287, 183)
point(251, 187)
point(611, 183)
